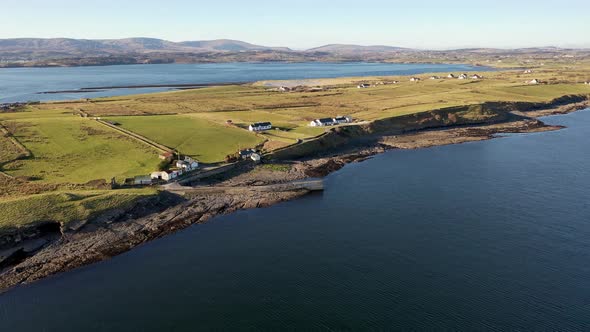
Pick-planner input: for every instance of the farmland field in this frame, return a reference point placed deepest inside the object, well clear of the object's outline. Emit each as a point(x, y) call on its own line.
point(66, 148)
point(199, 138)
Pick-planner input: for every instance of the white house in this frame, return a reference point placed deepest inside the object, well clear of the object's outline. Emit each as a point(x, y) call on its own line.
point(476, 77)
point(535, 81)
point(188, 164)
point(342, 119)
point(463, 76)
point(587, 82)
point(161, 176)
point(434, 77)
point(415, 79)
point(363, 86)
point(255, 157)
point(322, 122)
point(451, 76)
point(260, 126)
point(284, 89)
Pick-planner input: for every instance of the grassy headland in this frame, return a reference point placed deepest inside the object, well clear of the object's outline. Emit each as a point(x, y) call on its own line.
point(66, 151)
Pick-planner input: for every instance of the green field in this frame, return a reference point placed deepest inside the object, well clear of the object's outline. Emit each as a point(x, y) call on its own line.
point(70, 149)
point(63, 207)
point(204, 140)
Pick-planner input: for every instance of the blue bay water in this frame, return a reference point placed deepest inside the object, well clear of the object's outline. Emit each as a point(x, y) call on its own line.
point(490, 235)
point(25, 84)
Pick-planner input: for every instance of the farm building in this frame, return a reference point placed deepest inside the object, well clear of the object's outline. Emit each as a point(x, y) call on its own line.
point(476, 77)
point(322, 122)
point(463, 76)
point(255, 157)
point(142, 180)
point(260, 126)
point(188, 164)
point(247, 153)
point(167, 156)
point(415, 79)
point(284, 89)
point(363, 86)
point(587, 82)
point(451, 76)
point(342, 119)
point(434, 77)
point(161, 176)
point(534, 81)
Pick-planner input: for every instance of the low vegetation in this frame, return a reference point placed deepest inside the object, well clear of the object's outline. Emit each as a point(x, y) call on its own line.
point(63, 207)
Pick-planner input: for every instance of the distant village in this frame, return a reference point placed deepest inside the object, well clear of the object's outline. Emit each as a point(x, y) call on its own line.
point(15, 107)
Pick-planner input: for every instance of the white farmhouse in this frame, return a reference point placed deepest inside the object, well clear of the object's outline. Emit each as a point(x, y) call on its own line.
point(363, 86)
point(534, 81)
point(415, 79)
point(451, 76)
point(476, 77)
point(260, 126)
point(463, 76)
point(342, 119)
point(188, 164)
point(322, 122)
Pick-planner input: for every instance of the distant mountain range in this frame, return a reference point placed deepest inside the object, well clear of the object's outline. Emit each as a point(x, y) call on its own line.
point(86, 52)
point(127, 45)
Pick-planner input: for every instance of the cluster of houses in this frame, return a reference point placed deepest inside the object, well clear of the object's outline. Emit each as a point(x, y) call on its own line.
point(260, 126)
point(367, 85)
point(300, 88)
point(451, 76)
point(182, 166)
point(11, 106)
point(330, 121)
point(250, 154)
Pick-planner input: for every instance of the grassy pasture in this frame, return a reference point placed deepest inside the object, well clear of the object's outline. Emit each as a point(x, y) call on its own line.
point(70, 149)
point(204, 140)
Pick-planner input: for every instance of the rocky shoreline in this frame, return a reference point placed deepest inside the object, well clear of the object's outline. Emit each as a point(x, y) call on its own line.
point(168, 212)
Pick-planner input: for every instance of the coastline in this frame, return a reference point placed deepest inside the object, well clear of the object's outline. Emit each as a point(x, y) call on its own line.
point(119, 231)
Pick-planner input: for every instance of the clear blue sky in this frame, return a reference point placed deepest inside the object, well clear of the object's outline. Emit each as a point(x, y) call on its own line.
point(308, 23)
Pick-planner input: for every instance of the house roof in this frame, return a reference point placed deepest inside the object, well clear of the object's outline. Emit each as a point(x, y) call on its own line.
point(261, 124)
point(247, 152)
point(325, 120)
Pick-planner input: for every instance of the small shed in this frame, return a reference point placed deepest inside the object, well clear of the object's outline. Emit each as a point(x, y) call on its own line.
point(167, 156)
point(142, 180)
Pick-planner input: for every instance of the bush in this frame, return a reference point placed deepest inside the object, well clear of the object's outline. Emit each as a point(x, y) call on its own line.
point(164, 165)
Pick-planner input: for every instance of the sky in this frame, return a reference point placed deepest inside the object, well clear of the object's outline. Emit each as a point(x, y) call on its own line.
point(302, 24)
